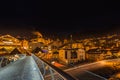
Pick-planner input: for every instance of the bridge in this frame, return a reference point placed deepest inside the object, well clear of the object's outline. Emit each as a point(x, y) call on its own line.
point(33, 68)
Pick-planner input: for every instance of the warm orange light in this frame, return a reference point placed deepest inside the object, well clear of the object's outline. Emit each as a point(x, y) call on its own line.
point(57, 64)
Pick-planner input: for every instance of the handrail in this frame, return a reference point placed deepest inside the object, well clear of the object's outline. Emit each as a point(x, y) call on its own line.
point(59, 71)
point(63, 74)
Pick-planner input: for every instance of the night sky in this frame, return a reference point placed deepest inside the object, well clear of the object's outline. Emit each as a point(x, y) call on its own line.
point(58, 17)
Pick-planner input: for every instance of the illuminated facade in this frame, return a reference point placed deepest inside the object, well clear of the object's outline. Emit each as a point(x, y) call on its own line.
point(69, 56)
point(95, 54)
point(24, 44)
point(39, 41)
point(9, 43)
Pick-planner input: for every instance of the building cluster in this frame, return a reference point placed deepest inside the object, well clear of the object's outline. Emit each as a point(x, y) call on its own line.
point(65, 51)
point(91, 49)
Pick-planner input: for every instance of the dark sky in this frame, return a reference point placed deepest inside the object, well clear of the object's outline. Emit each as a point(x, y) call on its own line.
point(58, 17)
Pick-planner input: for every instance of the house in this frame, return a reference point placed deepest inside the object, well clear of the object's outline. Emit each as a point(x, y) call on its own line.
point(9, 42)
point(55, 55)
point(115, 52)
point(38, 51)
point(108, 54)
point(95, 54)
point(33, 45)
point(3, 51)
point(15, 51)
point(24, 44)
point(72, 44)
point(73, 55)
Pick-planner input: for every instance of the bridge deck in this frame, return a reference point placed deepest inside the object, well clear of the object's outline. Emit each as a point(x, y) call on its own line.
point(23, 69)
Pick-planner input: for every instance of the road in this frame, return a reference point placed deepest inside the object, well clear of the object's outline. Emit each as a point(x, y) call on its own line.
point(23, 69)
point(84, 72)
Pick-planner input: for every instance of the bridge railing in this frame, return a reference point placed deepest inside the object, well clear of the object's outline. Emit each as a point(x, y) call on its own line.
point(5, 60)
point(51, 72)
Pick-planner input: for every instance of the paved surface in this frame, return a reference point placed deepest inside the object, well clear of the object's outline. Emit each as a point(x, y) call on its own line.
point(83, 72)
point(23, 69)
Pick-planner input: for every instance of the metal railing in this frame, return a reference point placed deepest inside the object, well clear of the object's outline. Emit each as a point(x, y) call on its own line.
point(51, 72)
point(4, 61)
